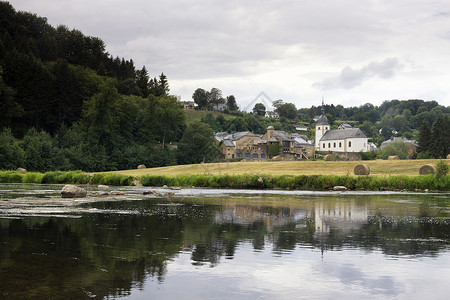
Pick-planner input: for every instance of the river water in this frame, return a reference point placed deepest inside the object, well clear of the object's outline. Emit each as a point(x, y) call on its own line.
point(223, 244)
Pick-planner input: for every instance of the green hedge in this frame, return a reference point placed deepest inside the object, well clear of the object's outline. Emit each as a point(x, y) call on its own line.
point(58, 177)
point(303, 182)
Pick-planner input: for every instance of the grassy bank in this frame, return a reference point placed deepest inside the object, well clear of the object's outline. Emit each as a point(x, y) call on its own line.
point(58, 177)
point(304, 182)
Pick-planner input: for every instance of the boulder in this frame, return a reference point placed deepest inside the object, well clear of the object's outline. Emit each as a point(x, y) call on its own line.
point(73, 191)
point(151, 192)
point(103, 187)
point(328, 157)
point(169, 193)
point(142, 167)
point(117, 193)
point(362, 169)
point(427, 169)
point(339, 188)
point(21, 170)
point(101, 194)
point(393, 157)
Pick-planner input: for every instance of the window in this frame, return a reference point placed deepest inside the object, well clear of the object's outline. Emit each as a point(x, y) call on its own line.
point(349, 143)
point(319, 128)
point(255, 155)
point(329, 145)
point(247, 155)
point(263, 156)
point(334, 145)
point(232, 156)
point(323, 145)
point(239, 155)
point(340, 144)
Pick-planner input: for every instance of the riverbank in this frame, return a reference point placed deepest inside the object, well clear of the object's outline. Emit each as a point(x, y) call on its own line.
point(244, 181)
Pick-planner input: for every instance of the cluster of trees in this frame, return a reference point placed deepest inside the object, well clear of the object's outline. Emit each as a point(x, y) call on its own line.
point(434, 142)
point(284, 110)
point(246, 122)
point(67, 104)
point(209, 100)
point(47, 73)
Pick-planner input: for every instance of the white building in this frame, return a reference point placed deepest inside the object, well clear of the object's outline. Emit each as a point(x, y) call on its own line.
point(344, 139)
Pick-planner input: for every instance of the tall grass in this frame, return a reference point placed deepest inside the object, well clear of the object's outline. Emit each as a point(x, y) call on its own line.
point(58, 177)
point(304, 182)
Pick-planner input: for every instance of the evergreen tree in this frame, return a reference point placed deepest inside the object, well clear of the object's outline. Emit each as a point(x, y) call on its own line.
point(440, 135)
point(425, 139)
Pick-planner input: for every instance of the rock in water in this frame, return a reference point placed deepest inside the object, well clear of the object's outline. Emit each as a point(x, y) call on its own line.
point(362, 170)
point(339, 188)
point(103, 187)
point(73, 191)
point(427, 169)
point(117, 193)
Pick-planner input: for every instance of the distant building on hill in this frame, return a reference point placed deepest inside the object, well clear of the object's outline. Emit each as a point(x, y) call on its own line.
point(271, 114)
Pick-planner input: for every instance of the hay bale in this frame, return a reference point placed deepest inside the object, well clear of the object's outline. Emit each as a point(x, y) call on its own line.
point(142, 167)
point(329, 157)
point(361, 170)
point(427, 169)
point(393, 157)
point(448, 156)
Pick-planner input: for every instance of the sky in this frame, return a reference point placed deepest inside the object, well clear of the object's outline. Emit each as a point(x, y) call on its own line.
point(347, 52)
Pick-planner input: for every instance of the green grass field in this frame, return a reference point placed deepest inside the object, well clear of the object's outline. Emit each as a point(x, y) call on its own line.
point(377, 168)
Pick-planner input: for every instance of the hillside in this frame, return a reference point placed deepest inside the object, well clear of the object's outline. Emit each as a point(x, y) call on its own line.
point(197, 115)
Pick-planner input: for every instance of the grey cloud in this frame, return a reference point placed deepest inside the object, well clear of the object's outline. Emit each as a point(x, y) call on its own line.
point(350, 78)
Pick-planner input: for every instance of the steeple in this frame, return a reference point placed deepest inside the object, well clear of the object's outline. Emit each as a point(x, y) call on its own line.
point(323, 108)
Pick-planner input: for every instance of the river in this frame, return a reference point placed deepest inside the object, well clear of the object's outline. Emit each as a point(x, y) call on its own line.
point(223, 244)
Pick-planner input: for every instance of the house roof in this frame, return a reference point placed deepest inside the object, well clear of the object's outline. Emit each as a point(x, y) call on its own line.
point(228, 143)
point(340, 134)
point(398, 139)
point(282, 135)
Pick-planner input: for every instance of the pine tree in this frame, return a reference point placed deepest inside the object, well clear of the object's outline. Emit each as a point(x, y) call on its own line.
point(424, 138)
point(440, 135)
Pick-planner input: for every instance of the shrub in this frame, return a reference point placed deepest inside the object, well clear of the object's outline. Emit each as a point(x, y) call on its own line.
point(10, 177)
point(32, 177)
point(441, 168)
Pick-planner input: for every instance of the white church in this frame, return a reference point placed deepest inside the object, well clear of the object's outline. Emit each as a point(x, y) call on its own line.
point(345, 139)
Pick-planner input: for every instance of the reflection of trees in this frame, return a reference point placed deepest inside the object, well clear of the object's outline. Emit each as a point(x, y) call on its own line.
point(108, 254)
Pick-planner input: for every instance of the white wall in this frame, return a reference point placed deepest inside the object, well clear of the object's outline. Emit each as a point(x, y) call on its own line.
point(357, 145)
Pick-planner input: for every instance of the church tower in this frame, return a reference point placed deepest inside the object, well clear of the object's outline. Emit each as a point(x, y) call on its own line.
point(322, 126)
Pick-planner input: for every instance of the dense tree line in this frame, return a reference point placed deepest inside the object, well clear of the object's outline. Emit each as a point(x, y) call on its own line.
point(48, 73)
point(67, 104)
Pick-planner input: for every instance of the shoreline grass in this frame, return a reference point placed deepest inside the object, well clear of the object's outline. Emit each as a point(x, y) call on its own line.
point(243, 181)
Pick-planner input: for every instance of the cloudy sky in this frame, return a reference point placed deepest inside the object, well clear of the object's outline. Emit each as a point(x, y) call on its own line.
point(348, 51)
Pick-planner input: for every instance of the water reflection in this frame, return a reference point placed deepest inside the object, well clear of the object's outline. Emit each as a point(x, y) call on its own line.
point(106, 252)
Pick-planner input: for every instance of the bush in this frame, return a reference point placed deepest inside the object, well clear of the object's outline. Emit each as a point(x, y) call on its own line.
point(11, 177)
point(112, 179)
point(441, 168)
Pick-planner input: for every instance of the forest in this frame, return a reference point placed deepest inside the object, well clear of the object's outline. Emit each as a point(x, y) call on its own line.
point(67, 104)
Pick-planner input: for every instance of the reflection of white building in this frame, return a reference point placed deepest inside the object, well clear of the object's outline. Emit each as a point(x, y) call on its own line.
point(344, 215)
point(246, 214)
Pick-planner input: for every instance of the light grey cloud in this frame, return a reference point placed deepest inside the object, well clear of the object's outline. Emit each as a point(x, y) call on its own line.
point(349, 78)
point(281, 47)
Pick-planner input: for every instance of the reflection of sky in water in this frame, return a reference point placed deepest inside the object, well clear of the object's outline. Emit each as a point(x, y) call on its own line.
point(305, 273)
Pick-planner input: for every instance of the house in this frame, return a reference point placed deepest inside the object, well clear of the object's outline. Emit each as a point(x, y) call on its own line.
point(220, 106)
point(344, 126)
point(300, 127)
point(345, 139)
point(188, 104)
point(271, 114)
point(274, 143)
point(412, 144)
